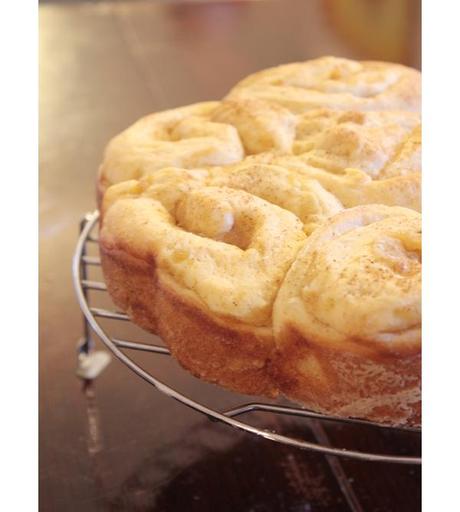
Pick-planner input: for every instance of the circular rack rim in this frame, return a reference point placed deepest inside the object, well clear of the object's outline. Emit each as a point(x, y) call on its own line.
point(226, 417)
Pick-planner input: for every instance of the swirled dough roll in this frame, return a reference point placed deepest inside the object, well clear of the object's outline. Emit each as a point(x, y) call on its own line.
point(183, 137)
point(347, 317)
point(202, 271)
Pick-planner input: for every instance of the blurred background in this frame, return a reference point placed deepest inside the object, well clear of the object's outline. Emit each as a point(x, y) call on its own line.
point(115, 443)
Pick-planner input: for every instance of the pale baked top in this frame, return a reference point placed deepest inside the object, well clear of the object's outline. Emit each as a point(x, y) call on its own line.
point(330, 114)
point(360, 158)
point(335, 83)
point(182, 137)
point(357, 281)
point(291, 190)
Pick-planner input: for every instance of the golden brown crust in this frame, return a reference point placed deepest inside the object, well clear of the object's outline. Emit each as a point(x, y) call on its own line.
point(131, 284)
point(224, 353)
point(218, 351)
point(379, 387)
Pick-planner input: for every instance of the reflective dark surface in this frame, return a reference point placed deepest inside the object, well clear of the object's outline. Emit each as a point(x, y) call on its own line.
point(116, 444)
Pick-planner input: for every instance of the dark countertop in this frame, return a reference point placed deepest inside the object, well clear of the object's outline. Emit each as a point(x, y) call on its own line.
point(117, 444)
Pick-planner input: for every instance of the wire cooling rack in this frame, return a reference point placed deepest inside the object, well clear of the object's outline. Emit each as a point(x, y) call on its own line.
point(120, 348)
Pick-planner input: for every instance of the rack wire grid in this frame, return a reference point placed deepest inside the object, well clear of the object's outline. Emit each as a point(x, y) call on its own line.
point(83, 285)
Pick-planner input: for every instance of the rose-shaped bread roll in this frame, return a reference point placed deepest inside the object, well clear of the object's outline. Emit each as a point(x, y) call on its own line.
point(183, 137)
point(334, 83)
point(201, 269)
point(347, 317)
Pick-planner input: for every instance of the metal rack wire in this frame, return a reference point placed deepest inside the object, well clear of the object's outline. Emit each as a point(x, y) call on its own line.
point(82, 260)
